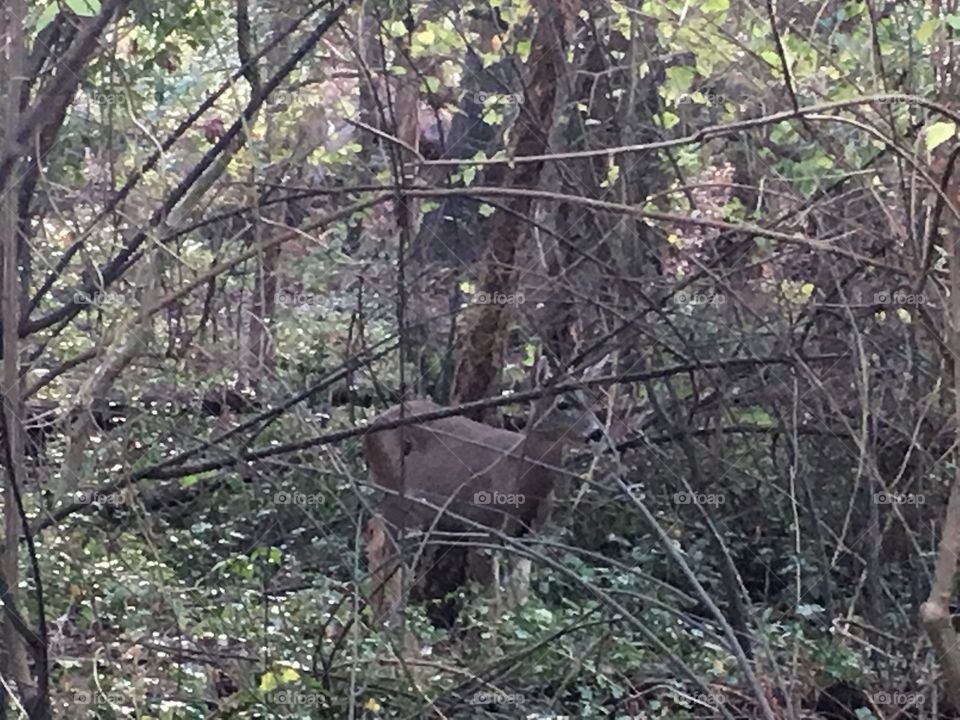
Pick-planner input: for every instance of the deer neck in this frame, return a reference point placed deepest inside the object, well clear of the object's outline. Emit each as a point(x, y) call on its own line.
point(543, 445)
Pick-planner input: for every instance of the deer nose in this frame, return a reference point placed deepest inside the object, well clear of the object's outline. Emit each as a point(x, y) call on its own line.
point(595, 435)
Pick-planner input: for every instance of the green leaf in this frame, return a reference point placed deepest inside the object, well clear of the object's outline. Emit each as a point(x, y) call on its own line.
point(613, 174)
point(47, 16)
point(939, 133)
point(529, 354)
point(84, 8)
point(715, 5)
point(679, 78)
point(926, 30)
point(189, 480)
point(771, 57)
point(756, 416)
point(953, 20)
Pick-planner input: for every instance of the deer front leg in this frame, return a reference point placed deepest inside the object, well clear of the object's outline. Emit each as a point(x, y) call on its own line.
point(384, 564)
point(518, 582)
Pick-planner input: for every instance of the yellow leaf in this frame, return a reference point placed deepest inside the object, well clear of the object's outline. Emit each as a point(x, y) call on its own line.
point(492, 117)
point(268, 682)
point(288, 675)
point(425, 37)
point(939, 133)
point(372, 705)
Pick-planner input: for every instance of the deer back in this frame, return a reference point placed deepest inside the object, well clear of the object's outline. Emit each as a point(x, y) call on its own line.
point(493, 477)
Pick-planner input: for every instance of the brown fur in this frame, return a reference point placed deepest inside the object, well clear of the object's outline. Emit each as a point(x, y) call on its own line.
point(447, 463)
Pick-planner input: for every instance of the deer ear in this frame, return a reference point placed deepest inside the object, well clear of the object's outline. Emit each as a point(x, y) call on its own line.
point(541, 371)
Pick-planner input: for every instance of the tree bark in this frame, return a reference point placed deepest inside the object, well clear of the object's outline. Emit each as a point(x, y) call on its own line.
point(483, 345)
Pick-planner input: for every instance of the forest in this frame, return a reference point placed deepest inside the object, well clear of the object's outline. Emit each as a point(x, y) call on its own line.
point(479, 359)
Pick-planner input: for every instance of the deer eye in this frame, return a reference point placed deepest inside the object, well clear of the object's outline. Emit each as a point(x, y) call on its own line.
point(563, 403)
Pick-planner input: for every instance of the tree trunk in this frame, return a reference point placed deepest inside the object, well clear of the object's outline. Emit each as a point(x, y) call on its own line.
point(483, 344)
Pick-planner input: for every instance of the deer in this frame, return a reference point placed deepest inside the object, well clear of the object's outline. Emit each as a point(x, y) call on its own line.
point(457, 475)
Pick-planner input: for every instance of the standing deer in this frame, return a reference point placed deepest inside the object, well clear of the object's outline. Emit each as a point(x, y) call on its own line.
point(454, 466)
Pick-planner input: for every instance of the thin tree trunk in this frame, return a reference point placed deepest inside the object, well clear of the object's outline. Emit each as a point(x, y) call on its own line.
point(13, 657)
point(935, 612)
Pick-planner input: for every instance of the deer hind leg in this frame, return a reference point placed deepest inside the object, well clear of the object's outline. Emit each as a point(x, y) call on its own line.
point(507, 582)
point(385, 566)
point(496, 577)
point(511, 583)
point(518, 582)
point(485, 570)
